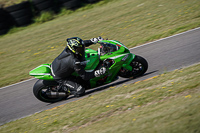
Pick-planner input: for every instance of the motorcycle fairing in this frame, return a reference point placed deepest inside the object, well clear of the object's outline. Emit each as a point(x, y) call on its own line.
point(42, 72)
point(121, 58)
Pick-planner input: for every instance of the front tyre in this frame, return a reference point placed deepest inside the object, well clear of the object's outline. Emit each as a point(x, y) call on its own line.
point(40, 90)
point(139, 67)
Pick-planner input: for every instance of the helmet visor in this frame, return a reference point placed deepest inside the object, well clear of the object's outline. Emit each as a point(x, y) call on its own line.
point(79, 50)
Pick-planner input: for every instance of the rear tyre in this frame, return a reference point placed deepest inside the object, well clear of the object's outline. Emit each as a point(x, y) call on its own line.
point(139, 65)
point(40, 91)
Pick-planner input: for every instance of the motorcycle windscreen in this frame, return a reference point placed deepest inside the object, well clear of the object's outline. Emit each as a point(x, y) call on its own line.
point(42, 72)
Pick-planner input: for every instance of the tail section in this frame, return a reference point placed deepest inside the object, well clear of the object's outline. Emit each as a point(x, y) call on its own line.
point(42, 72)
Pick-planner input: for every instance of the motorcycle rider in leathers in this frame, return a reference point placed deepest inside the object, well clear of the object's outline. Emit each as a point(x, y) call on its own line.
point(69, 61)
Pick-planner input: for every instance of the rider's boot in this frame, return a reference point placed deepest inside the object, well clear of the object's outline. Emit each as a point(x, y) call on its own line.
point(75, 89)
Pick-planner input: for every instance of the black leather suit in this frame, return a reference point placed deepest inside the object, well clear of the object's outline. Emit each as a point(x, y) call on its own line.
point(65, 64)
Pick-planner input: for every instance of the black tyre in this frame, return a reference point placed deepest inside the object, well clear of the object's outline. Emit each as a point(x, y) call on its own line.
point(4, 22)
point(72, 4)
point(139, 65)
point(61, 2)
point(91, 1)
point(44, 5)
point(23, 21)
point(3, 15)
point(4, 25)
point(2, 12)
point(21, 13)
point(3, 31)
point(18, 6)
point(40, 91)
point(35, 2)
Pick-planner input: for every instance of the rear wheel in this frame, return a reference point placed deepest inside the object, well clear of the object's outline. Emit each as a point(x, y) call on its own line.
point(139, 66)
point(46, 94)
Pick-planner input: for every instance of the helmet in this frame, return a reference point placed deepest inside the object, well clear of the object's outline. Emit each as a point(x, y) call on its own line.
point(75, 44)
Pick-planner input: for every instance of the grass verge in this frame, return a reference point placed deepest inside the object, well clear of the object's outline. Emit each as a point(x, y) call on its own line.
point(131, 22)
point(167, 103)
point(6, 3)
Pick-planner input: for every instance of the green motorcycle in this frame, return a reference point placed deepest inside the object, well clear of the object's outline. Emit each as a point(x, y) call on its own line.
point(112, 54)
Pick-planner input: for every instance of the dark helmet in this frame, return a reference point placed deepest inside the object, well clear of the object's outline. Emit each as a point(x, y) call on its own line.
point(75, 44)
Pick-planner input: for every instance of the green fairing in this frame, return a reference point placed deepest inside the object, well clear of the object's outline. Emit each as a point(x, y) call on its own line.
point(42, 72)
point(93, 59)
point(117, 56)
point(122, 58)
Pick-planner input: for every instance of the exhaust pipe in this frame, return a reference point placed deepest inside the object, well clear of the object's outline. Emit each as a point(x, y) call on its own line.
point(56, 94)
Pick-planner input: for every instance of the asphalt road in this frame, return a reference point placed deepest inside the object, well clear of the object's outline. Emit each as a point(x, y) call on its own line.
point(167, 54)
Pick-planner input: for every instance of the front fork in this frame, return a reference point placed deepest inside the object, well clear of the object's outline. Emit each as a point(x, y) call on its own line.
point(128, 61)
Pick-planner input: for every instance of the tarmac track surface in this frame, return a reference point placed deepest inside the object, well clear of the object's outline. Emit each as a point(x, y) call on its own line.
point(181, 50)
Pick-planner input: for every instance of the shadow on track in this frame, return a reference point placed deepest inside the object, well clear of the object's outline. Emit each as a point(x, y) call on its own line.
point(115, 84)
point(101, 88)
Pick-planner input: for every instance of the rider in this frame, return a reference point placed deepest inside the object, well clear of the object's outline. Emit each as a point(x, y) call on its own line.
point(69, 61)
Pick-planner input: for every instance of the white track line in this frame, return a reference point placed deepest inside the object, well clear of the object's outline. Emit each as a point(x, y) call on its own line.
point(130, 49)
point(16, 83)
point(165, 38)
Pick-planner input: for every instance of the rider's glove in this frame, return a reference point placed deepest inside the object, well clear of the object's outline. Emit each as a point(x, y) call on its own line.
point(95, 40)
point(100, 72)
point(100, 38)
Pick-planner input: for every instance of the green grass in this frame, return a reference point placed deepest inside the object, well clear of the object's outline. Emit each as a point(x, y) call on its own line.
point(6, 3)
point(129, 21)
point(168, 103)
point(44, 17)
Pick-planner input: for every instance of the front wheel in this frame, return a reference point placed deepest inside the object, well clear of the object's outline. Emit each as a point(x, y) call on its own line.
point(139, 67)
point(45, 93)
